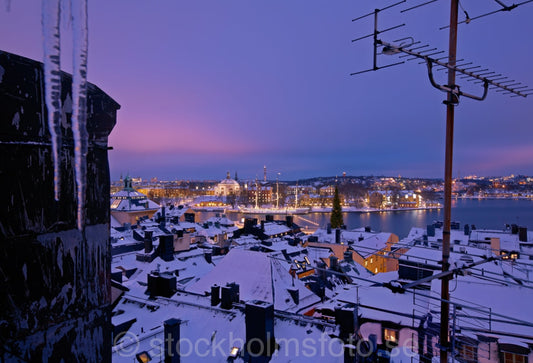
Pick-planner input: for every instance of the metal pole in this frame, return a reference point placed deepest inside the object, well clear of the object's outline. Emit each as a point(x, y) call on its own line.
point(453, 330)
point(450, 104)
point(375, 59)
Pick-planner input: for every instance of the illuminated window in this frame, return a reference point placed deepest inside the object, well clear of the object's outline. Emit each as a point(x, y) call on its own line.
point(468, 353)
point(234, 352)
point(390, 335)
point(366, 263)
point(115, 204)
point(514, 358)
point(143, 357)
point(376, 270)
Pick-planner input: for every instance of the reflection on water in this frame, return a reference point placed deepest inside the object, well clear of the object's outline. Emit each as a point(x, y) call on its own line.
point(482, 213)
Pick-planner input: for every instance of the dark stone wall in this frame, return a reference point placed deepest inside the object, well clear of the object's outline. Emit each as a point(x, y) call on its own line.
point(54, 280)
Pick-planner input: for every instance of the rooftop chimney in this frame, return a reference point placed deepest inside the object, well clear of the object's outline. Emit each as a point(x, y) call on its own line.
point(333, 262)
point(148, 244)
point(215, 295)
point(346, 318)
point(348, 256)
point(172, 339)
point(522, 234)
point(249, 224)
point(161, 284)
point(166, 247)
point(338, 236)
point(259, 320)
point(431, 230)
point(289, 220)
point(229, 295)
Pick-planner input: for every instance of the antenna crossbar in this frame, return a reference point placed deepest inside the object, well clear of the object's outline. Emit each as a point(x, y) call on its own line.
point(465, 71)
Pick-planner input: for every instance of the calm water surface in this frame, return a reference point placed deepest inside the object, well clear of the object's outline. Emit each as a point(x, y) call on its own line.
point(484, 213)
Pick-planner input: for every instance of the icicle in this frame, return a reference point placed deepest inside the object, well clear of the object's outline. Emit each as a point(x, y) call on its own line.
point(51, 13)
point(79, 98)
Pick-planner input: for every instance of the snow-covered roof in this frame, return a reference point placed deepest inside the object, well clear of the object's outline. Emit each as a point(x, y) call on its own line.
point(133, 204)
point(128, 193)
point(222, 220)
point(274, 229)
point(114, 223)
point(371, 245)
point(251, 270)
point(346, 236)
point(217, 330)
point(190, 267)
point(173, 211)
point(230, 182)
point(258, 276)
point(246, 240)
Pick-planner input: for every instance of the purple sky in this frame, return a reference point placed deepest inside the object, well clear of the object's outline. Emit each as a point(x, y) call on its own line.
point(208, 86)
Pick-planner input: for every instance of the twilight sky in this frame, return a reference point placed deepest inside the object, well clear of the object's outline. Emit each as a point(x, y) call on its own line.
point(209, 86)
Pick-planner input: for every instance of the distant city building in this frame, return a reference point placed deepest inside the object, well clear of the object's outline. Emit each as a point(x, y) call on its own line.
point(327, 190)
point(263, 193)
point(128, 205)
point(227, 187)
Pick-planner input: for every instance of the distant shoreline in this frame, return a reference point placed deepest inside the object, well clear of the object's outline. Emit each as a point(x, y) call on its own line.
point(493, 198)
point(371, 210)
point(328, 210)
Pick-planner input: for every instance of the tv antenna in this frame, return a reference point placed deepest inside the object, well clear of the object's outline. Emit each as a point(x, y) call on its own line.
point(411, 49)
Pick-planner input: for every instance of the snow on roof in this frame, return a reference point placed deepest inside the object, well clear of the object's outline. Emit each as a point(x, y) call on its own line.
point(489, 297)
point(133, 205)
point(283, 282)
point(128, 193)
point(251, 270)
point(217, 330)
point(371, 245)
point(222, 220)
point(246, 240)
point(508, 241)
point(190, 267)
point(279, 246)
point(375, 303)
point(317, 253)
point(173, 211)
point(347, 237)
point(114, 223)
point(212, 230)
point(274, 229)
point(259, 277)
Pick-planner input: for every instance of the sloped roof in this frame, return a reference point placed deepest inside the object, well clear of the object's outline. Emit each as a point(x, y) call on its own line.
point(251, 270)
point(273, 229)
point(259, 277)
point(370, 246)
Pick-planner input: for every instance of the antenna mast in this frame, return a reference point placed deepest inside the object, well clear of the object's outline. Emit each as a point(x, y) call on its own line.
point(408, 47)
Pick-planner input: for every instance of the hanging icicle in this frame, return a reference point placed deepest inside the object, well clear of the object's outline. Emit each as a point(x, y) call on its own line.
point(51, 13)
point(79, 98)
